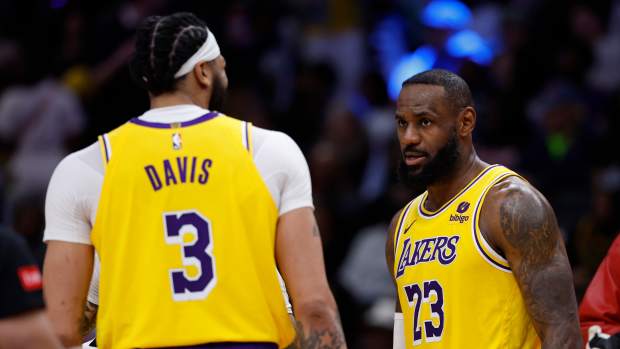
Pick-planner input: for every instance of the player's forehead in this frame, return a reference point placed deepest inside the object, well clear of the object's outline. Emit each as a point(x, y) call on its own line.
point(417, 98)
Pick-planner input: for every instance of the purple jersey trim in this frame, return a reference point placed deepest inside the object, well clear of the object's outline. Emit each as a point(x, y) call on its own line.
point(229, 346)
point(432, 214)
point(105, 147)
point(247, 136)
point(206, 117)
point(400, 225)
point(484, 252)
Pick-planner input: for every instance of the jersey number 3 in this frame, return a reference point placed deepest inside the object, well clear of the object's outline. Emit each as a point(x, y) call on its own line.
point(417, 295)
point(196, 252)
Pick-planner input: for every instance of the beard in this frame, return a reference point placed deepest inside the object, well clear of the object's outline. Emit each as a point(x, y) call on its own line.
point(438, 167)
point(218, 95)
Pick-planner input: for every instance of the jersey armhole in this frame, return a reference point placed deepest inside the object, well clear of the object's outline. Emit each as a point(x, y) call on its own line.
point(486, 251)
point(105, 148)
point(246, 136)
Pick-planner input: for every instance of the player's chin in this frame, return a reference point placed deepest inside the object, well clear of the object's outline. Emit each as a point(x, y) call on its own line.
point(413, 172)
point(410, 171)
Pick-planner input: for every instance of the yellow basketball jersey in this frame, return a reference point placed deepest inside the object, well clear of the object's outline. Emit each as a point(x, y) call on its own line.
point(185, 230)
point(455, 291)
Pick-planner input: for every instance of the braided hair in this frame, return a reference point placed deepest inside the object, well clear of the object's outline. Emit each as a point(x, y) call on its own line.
point(163, 45)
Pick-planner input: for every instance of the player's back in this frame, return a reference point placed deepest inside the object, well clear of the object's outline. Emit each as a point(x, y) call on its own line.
point(185, 230)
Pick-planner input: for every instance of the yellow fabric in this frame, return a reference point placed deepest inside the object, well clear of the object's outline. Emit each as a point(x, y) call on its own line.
point(202, 177)
point(452, 287)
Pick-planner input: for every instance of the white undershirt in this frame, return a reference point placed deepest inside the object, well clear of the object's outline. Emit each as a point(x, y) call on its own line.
point(73, 191)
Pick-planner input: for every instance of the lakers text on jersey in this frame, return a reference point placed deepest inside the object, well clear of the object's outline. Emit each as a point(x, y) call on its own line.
point(454, 290)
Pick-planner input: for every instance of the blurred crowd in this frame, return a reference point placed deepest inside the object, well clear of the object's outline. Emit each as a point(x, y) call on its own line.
point(547, 96)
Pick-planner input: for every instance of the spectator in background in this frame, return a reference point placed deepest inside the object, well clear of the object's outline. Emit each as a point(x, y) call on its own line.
point(599, 312)
point(602, 74)
point(597, 228)
point(563, 138)
point(39, 122)
point(23, 323)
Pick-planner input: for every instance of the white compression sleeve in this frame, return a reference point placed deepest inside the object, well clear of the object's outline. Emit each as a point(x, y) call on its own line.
point(399, 331)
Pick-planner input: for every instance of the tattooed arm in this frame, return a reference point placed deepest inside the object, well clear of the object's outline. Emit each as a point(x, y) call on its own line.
point(300, 260)
point(519, 222)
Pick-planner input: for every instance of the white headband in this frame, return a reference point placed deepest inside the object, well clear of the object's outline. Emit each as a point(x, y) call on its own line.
point(207, 52)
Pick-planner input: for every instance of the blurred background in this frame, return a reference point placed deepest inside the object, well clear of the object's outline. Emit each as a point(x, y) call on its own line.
point(544, 75)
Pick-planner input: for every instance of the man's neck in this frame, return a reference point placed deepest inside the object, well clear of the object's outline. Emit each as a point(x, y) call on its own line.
point(174, 98)
point(465, 170)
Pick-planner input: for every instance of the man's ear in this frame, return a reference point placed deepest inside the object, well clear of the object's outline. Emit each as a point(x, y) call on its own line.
point(203, 74)
point(467, 121)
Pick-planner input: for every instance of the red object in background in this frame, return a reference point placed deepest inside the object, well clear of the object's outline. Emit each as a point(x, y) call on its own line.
point(30, 278)
point(601, 303)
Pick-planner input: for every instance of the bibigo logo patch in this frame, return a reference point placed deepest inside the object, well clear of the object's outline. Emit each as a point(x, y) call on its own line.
point(459, 216)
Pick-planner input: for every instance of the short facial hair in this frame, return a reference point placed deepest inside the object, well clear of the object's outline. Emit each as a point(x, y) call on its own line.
point(218, 94)
point(439, 167)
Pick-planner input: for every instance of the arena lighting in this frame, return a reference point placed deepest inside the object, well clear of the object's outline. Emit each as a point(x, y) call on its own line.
point(469, 44)
point(389, 41)
point(57, 4)
point(446, 14)
point(410, 64)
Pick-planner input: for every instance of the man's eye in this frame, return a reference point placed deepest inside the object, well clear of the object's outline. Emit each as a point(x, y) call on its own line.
point(401, 123)
point(425, 122)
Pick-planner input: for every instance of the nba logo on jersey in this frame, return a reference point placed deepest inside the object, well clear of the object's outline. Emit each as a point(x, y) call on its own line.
point(177, 143)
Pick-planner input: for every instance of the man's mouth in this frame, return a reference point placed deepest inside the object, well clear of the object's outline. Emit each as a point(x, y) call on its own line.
point(414, 158)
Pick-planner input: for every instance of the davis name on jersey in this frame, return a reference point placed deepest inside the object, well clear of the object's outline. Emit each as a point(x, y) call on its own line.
point(179, 170)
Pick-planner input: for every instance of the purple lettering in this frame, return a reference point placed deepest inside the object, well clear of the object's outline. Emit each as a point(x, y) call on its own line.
point(204, 176)
point(151, 172)
point(416, 253)
point(447, 258)
point(439, 244)
point(169, 173)
point(426, 255)
point(193, 169)
point(402, 262)
point(182, 169)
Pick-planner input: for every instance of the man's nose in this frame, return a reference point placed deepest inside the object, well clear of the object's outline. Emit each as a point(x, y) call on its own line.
point(411, 135)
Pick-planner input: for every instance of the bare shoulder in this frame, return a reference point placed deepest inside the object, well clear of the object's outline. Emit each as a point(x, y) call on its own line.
point(523, 224)
point(389, 244)
point(517, 216)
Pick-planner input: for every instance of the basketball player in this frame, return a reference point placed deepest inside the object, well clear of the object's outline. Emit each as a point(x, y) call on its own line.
point(23, 323)
point(477, 259)
point(189, 211)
